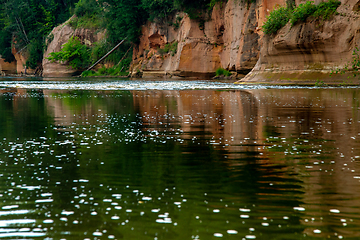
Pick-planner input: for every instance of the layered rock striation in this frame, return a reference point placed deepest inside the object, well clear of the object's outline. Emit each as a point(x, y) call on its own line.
point(229, 39)
point(310, 51)
point(232, 39)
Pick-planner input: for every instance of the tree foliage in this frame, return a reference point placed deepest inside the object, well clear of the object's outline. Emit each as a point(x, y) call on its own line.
point(125, 17)
point(24, 24)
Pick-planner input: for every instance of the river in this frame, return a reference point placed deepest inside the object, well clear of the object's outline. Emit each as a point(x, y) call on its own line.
point(164, 160)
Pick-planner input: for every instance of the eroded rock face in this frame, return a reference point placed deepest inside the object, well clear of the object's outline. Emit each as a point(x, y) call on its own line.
point(18, 65)
point(310, 50)
point(229, 39)
point(60, 35)
point(7, 68)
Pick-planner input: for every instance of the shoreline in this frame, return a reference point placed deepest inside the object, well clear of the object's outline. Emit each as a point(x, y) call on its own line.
point(300, 78)
point(281, 78)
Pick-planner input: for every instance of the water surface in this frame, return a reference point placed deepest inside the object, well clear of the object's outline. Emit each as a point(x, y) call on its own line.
point(120, 159)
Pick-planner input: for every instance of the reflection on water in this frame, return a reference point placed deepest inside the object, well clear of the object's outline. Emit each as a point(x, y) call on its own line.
point(180, 164)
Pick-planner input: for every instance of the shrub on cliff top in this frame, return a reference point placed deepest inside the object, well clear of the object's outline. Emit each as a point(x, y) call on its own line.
point(322, 11)
point(326, 9)
point(280, 17)
point(276, 20)
point(302, 12)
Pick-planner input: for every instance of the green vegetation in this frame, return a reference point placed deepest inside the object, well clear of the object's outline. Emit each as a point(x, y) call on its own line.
point(355, 63)
point(176, 24)
point(222, 72)
point(279, 17)
point(326, 9)
point(125, 17)
point(353, 66)
point(345, 84)
point(25, 24)
point(112, 71)
point(320, 84)
point(79, 56)
point(88, 14)
point(302, 12)
point(214, 2)
point(169, 48)
point(73, 52)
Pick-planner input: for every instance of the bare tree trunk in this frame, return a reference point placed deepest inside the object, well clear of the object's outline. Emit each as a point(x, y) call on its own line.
point(124, 56)
point(105, 56)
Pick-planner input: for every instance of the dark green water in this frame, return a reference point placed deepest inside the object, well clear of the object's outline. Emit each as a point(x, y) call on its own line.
point(78, 162)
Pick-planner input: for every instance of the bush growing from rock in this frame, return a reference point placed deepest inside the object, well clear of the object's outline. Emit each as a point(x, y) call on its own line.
point(222, 72)
point(280, 16)
point(73, 52)
point(276, 20)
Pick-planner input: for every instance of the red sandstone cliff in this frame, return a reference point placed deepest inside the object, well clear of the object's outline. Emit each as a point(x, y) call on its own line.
point(311, 50)
point(18, 65)
point(230, 39)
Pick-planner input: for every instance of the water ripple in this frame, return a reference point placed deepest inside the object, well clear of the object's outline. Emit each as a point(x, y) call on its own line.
point(129, 85)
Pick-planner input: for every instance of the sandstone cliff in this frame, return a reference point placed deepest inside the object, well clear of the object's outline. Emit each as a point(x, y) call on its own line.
point(232, 39)
point(311, 50)
point(18, 65)
point(229, 39)
point(58, 37)
point(7, 68)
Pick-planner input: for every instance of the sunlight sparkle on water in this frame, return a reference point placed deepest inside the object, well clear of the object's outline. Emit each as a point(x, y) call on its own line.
point(85, 84)
point(251, 162)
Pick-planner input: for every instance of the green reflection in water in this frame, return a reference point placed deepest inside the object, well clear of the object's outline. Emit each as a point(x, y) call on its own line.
point(179, 164)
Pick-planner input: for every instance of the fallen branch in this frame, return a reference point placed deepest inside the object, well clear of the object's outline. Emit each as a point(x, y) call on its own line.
point(105, 56)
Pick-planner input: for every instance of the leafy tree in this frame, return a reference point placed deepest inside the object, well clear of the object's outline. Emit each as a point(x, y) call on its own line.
point(87, 8)
point(24, 24)
point(158, 8)
point(124, 18)
point(35, 50)
point(5, 45)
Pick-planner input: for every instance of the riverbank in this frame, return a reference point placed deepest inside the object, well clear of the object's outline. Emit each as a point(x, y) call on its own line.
point(301, 78)
point(282, 78)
